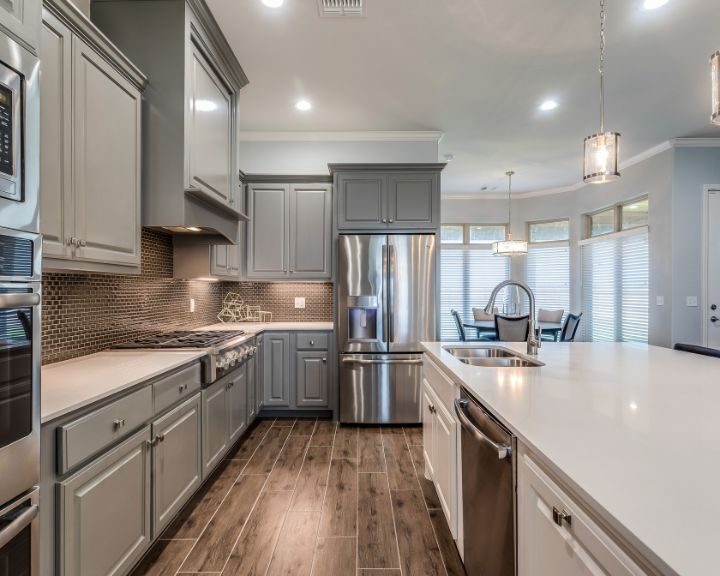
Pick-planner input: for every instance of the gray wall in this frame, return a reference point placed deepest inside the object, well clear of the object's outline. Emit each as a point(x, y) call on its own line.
point(674, 181)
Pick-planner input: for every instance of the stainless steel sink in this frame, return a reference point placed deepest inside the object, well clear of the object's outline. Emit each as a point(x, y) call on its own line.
point(491, 357)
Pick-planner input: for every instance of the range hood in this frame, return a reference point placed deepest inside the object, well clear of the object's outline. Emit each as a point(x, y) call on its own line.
point(190, 185)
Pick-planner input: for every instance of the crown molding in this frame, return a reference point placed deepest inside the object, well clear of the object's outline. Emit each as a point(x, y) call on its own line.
point(696, 142)
point(351, 136)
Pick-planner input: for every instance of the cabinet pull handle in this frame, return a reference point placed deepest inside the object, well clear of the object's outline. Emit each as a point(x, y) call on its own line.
point(560, 516)
point(312, 342)
point(391, 220)
point(384, 220)
point(83, 243)
point(182, 388)
point(118, 423)
point(324, 359)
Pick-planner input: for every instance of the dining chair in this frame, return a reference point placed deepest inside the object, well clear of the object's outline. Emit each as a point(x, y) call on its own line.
point(512, 328)
point(702, 350)
point(459, 325)
point(554, 316)
point(480, 315)
point(570, 327)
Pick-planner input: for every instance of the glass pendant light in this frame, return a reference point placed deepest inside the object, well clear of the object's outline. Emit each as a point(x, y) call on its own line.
point(601, 150)
point(715, 72)
point(510, 247)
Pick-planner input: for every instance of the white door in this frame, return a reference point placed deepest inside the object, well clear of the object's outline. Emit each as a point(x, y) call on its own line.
point(712, 314)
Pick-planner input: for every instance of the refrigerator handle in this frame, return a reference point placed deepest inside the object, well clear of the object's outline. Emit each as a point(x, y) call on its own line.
point(391, 292)
point(384, 299)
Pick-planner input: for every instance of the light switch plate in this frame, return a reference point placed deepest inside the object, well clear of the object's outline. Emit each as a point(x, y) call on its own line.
point(692, 301)
point(660, 300)
point(299, 302)
point(192, 304)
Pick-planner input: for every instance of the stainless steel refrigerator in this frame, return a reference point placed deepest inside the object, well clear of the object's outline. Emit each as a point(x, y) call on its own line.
point(386, 306)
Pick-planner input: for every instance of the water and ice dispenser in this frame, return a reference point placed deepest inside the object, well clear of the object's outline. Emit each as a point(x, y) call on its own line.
point(362, 319)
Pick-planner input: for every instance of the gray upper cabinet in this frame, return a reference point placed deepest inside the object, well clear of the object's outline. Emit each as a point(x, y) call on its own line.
point(267, 245)
point(276, 369)
point(387, 196)
point(176, 461)
point(289, 233)
point(91, 183)
point(104, 512)
point(311, 379)
point(21, 19)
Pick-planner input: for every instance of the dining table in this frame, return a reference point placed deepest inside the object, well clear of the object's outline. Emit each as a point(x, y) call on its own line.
point(487, 328)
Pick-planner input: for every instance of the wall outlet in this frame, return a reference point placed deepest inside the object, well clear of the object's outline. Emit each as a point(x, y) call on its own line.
point(299, 302)
point(692, 301)
point(192, 304)
point(660, 300)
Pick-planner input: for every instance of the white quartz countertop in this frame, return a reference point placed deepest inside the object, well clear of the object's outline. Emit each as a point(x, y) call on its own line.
point(258, 327)
point(634, 429)
point(73, 384)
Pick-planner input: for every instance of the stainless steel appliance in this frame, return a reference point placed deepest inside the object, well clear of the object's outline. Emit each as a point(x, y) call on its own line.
point(19, 136)
point(226, 349)
point(488, 491)
point(19, 526)
point(386, 306)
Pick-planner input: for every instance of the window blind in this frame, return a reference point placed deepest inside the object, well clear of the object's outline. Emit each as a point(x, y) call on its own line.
point(615, 287)
point(467, 277)
point(548, 275)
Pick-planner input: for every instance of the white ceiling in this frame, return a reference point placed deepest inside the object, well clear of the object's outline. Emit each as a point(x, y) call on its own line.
point(477, 70)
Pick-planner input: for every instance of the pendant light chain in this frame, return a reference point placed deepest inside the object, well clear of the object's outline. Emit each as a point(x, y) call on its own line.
point(601, 67)
point(509, 174)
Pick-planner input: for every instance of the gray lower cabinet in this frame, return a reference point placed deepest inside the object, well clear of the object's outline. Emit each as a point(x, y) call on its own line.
point(387, 197)
point(237, 405)
point(289, 236)
point(104, 511)
point(276, 369)
point(259, 373)
point(311, 379)
point(215, 425)
point(252, 408)
point(176, 461)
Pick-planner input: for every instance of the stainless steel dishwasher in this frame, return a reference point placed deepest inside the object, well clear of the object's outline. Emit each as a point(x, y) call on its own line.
point(488, 494)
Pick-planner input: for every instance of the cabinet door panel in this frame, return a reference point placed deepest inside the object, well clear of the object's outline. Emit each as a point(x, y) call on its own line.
point(414, 200)
point(251, 390)
point(56, 206)
point(267, 232)
point(215, 426)
point(361, 201)
point(21, 18)
point(444, 466)
point(210, 130)
point(310, 231)
point(106, 166)
point(428, 429)
point(105, 512)
point(311, 379)
point(237, 405)
point(177, 461)
point(277, 369)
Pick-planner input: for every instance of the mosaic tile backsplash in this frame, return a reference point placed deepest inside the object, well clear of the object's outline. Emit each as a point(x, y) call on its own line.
point(86, 313)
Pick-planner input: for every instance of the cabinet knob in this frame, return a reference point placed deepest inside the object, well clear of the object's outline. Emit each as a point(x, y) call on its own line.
point(560, 516)
point(324, 359)
point(118, 423)
point(391, 220)
point(182, 388)
point(384, 220)
point(312, 342)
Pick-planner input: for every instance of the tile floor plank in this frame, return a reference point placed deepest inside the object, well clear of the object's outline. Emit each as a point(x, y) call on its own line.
point(346, 442)
point(324, 434)
point(370, 448)
point(197, 513)
point(264, 457)
point(164, 558)
point(253, 439)
point(304, 427)
point(377, 545)
point(295, 547)
point(216, 543)
point(339, 515)
point(432, 501)
point(419, 549)
point(378, 572)
point(253, 551)
point(448, 549)
point(311, 485)
point(284, 423)
point(335, 557)
point(400, 469)
point(285, 473)
point(413, 435)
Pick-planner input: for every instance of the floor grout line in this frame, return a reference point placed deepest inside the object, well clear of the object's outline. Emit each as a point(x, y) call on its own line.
point(322, 507)
point(221, 503)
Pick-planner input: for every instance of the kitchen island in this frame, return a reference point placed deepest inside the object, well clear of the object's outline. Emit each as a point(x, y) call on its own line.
point(629, 431)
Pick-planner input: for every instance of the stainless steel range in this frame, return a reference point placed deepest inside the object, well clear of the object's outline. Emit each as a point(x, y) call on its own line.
point(226, 350)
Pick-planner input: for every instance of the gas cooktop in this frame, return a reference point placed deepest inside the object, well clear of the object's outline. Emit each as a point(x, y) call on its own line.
point(183, 339)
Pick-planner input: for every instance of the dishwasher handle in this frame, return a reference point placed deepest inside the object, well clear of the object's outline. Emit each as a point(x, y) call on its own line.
point(503, 451)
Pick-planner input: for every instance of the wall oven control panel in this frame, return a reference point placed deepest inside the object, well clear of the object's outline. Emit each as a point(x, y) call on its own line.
point(10, 134)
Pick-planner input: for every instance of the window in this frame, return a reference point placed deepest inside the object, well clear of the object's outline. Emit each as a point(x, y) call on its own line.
point(602, 222)
point(548, 275)
point(635, 214)
point(468, 274)
point(550, 231)
point(452, 234)
point(615, 287)
point(626, 216)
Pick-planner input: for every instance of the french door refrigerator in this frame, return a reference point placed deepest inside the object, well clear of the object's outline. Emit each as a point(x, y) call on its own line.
point(386, 305)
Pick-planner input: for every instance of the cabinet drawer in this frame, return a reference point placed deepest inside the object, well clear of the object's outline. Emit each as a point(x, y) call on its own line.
point(176, 387)
point(88, 435)
point(312, 341)
point(444, 388)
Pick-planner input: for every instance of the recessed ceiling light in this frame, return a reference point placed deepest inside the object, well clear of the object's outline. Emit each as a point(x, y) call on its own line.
point(548, 105)
point(303, 105)
point(654, 4)
point(273, 3)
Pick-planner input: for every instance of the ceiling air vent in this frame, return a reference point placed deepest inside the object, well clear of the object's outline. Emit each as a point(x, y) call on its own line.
point(335, 8)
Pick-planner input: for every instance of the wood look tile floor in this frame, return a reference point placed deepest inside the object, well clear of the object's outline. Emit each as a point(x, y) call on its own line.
point(312, 498)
